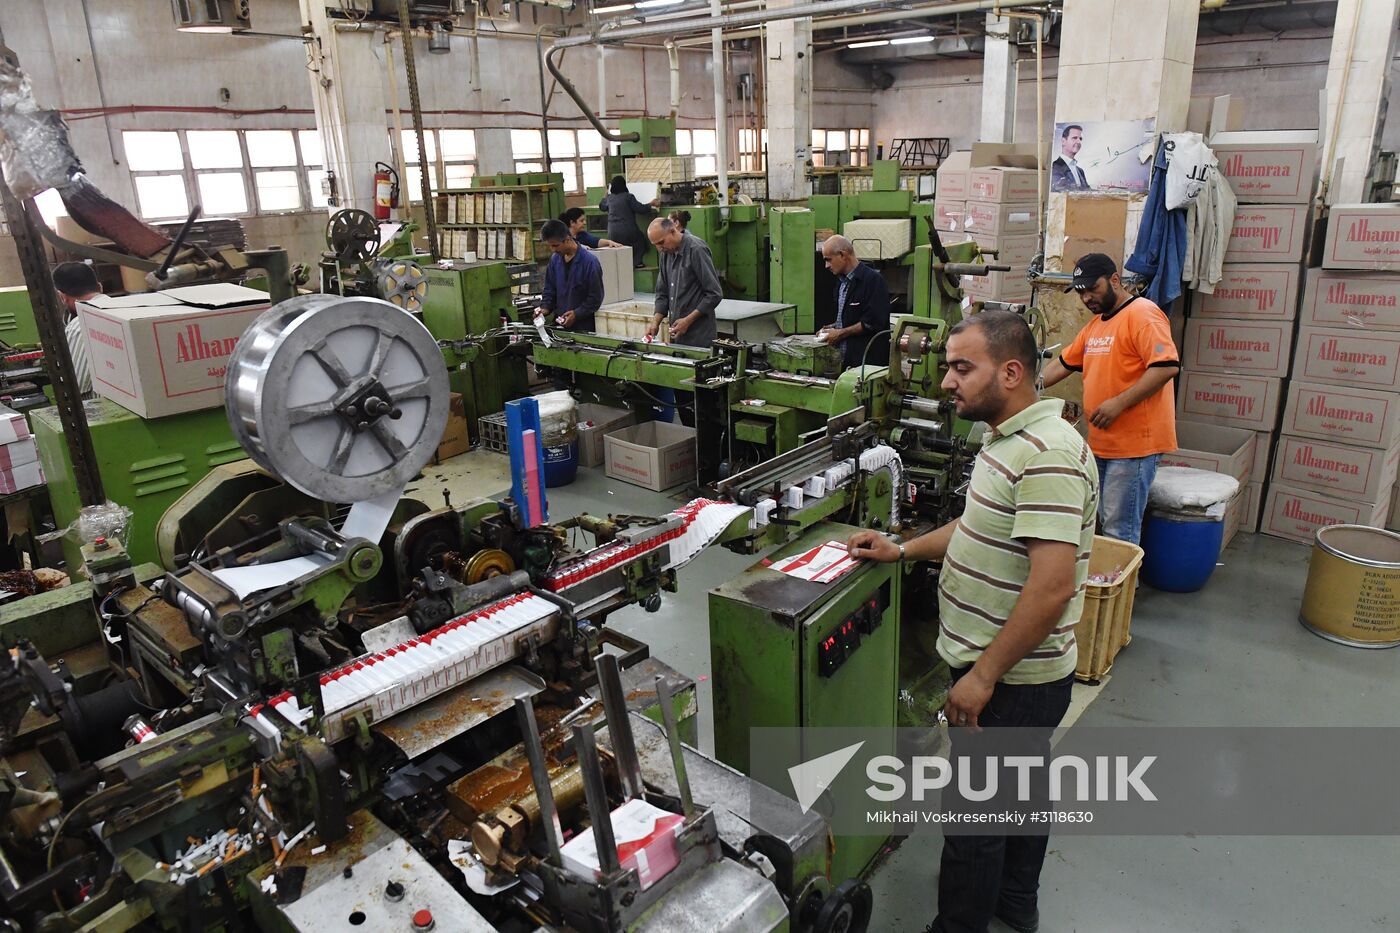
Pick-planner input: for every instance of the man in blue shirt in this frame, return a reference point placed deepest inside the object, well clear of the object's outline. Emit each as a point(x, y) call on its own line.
point(862, 307)
point(578, 229)
point(573, 281)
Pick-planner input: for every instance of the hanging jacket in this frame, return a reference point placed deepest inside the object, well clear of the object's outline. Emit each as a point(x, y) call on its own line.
point(1160, 253)
point(1211, 218)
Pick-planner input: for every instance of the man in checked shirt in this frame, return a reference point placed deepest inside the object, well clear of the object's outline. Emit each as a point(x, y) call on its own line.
point(1009, 594)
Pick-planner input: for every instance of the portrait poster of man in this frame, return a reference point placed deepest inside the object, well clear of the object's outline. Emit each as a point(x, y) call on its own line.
point(1102, 157)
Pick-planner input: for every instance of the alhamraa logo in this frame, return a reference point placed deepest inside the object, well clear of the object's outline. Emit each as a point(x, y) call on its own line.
point(1262, 298)
point(1360, 232)
point(1332, 353)
point(1318, 407)
point(1268, 237)
point(1339, 294)
point(1219, 341)
point(1236, 167)
point(1294, 509)
point(191, 346)
point(1304, 456)
point(1243, 404)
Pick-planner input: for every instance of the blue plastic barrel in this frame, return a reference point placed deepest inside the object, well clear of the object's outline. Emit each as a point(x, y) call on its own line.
point(1179, 553)
point(560, 464)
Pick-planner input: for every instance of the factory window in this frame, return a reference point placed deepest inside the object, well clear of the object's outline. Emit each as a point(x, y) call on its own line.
point(451, 160)
point(575, 154)
point(840, 147)
point(703, 144)
point(753, 147)
point(226, 172)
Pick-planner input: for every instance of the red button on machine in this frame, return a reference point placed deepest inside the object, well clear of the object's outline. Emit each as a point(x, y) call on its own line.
point(423, 920)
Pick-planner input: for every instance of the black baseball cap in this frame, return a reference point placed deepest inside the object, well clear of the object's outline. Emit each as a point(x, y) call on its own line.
point(1089, 269)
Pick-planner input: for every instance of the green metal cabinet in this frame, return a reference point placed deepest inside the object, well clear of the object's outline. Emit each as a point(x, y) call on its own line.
point(771, 669)
point(17, 327)
point(472, 298)
point(792, 236)
point(145, 464)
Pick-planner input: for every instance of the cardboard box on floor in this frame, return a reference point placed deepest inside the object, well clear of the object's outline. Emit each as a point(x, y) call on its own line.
point(595, 422)
point(1297, 514)
point(655, 455)
point(456, 436)
point(1263, 456)
point(1356, 474)
point(1242, 514)
point(165, 353)
point(1095, 225)
point(1215, 447)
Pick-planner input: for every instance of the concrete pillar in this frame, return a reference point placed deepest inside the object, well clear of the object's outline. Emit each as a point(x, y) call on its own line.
point(347, 87)
point(1363, 41)
point(1119, 60)
point(789, 106)
point(999, 81)
point(77, 71)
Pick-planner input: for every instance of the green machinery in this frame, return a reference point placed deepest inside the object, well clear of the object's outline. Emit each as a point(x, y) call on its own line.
point(306, 746)
point(793, 653)
point(463, 301)
point(17, 327)
point(145, 464)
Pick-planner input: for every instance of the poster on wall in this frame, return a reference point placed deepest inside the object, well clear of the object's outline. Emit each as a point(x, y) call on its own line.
point(1111, 156)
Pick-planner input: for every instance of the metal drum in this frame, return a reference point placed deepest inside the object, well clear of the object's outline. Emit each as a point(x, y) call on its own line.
point(344, 398)
point(1353, 590)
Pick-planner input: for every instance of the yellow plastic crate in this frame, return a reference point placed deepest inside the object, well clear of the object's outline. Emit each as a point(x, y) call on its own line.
point(1105, 626)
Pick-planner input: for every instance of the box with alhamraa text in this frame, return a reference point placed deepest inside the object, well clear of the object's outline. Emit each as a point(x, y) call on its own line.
point(1255, 348)
point(1229, 398)
point(164, 353)
point(1352, 299)
point(1262, 291)
point(1357, 474)
point(1351, 415)
point(1297, 514)
point(1268, 233)
point(1363, 236)
point(1368, 359)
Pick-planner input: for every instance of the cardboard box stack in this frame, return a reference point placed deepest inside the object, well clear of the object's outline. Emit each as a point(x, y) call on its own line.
point(1339, 451)
point(1239, 341)
point(1002, 213)
point(19, 455)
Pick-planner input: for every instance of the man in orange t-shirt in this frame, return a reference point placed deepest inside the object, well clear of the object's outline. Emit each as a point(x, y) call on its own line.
point(1128, 359)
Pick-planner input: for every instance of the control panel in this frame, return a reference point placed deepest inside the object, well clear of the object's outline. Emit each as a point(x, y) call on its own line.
point(838, 645)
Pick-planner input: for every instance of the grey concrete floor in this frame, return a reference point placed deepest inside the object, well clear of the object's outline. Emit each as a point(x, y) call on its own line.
point(1232, 654)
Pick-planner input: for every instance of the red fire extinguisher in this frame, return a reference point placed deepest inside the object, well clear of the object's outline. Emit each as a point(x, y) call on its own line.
point(386, 190)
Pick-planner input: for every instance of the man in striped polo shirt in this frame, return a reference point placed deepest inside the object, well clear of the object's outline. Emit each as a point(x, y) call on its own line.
point(1009, 594)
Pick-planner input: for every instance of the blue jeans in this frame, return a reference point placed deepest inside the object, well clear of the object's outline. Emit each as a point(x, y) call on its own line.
point(1123, 486)
point(979, 875)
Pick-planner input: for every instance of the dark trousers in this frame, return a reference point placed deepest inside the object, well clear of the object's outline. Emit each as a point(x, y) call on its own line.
point(979, 873)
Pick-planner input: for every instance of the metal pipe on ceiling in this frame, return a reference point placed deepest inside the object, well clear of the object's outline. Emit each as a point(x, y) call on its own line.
point(888, 16)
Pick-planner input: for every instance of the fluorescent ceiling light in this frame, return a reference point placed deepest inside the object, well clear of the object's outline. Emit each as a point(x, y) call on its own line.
point(615, 8)
point(649, 4)
point(910, 40)
point(868, 45)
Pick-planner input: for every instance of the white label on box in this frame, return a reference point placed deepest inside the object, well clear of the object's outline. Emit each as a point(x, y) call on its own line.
point(1339, 299)
point(1367, 359)
point(1267, 291)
